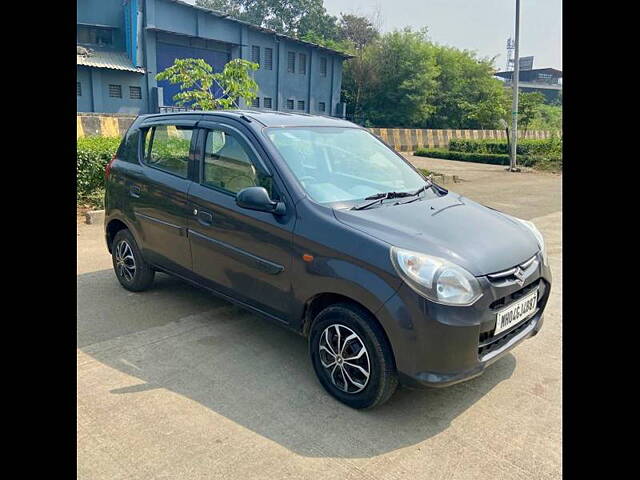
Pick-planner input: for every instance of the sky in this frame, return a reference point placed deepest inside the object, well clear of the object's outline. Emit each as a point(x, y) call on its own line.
point(479, 25)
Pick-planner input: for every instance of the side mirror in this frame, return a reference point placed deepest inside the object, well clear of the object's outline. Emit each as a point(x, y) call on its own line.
point(257, 198)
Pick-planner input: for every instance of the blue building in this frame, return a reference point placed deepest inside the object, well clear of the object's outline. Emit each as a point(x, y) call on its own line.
point(123, 44)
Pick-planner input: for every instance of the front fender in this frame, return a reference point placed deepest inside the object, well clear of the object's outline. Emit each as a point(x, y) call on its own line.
point(340, 260)
point(332, 275)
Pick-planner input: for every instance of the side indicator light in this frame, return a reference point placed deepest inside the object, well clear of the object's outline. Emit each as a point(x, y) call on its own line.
point(307, 258)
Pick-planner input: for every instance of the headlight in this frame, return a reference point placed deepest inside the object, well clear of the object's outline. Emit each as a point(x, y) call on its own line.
point(436, 278)
point(538, 236)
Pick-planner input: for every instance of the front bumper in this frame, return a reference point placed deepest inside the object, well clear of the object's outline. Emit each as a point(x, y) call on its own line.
point(438, 380)
point(438, 345)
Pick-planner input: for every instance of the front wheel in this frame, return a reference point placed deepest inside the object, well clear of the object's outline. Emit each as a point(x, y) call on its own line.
point(352, 357)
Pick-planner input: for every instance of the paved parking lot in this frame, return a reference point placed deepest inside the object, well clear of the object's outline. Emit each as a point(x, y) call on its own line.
point(175, 383)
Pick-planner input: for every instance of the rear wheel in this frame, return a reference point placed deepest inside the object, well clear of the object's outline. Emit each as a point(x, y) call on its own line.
point(132, 271)
point(352, 357)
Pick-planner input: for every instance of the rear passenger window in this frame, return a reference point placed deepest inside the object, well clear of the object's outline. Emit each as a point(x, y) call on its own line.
point(230, 166)
point(166, 147)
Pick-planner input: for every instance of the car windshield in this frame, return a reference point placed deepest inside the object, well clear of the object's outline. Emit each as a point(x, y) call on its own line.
point(342, 164)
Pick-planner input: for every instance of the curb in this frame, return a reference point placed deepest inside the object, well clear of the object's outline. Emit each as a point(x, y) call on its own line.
point(94, 216)
point(441, 179)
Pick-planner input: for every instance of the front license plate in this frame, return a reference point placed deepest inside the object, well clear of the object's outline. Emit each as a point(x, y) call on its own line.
point(516, 313)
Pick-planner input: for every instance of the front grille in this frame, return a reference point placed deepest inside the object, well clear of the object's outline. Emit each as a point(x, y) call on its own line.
point(514, 274)
point(486, 341)
point(503, 340)
point(509, 299)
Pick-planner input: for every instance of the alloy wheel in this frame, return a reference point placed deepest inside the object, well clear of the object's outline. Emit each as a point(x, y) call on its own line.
point(125, 262)
point(345, 358)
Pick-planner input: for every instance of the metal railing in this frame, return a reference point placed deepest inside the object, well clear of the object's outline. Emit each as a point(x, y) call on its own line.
point(171, 109)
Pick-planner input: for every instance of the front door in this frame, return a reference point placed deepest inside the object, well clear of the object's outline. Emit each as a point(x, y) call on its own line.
point(242, 253)
point(159, 193)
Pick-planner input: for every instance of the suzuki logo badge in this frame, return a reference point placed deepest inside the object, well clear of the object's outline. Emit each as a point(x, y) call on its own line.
point(519, 274)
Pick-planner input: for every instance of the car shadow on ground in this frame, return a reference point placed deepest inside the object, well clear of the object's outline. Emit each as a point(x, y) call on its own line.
point(257, 374)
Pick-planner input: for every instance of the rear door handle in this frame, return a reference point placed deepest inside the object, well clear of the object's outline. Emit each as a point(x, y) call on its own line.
point(204, 217)
point(134, 191)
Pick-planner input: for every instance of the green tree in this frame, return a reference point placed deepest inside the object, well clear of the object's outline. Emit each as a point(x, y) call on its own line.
point(467, 96)
point(529, 108)
point(403, 77)
point(357, 30)
point(549, 118)
point(319, 39)
point(290, 17)
point(232, 7)
point(197, 79)
point(357, 74)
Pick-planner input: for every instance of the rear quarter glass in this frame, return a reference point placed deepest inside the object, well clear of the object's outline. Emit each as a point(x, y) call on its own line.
point(128, 150)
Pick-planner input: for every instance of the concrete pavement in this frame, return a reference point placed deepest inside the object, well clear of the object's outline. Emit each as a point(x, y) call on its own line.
point(175, 383)
point(527, 194)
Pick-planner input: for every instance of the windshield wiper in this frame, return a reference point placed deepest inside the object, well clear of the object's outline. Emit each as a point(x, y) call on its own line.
point(418, 192)
point(381, 197)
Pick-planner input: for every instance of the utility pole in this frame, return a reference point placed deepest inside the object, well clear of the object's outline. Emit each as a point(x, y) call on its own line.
point(514, 105)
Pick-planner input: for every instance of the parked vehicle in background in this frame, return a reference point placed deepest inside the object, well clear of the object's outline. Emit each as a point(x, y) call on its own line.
point(316, 224)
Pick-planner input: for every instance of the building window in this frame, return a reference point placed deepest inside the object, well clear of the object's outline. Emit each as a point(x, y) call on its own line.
point(300, 104)
point(268, 58)
point(323, 66)
point(135, 93)
point(302, 67)
point(95, 35)
point(78, 89)
point(267, 102)
point(546, 78)
point(255, 102)
point(291, 62)
point(322, 106)
point(255, 54)
point(290, 104)
point(115, 91)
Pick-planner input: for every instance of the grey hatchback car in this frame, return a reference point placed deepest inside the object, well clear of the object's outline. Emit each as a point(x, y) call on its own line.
point(316, 224)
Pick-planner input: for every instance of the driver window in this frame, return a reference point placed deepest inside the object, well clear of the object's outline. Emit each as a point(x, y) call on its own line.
point(228, 164)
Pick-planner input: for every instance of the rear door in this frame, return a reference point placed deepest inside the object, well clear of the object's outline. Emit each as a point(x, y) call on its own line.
point(242, 253)
point(158, 195)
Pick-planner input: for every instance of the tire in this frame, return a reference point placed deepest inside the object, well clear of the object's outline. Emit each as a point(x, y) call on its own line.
point(130, 268)
point(362, 331)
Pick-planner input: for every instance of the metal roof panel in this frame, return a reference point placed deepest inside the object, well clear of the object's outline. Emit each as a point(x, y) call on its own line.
point(106, 59)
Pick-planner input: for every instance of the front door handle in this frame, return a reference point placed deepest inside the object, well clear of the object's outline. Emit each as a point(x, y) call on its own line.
point(204, 218)
point(134, 191)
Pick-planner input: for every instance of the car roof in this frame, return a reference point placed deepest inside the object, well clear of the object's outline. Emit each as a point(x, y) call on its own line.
point(269, 118)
